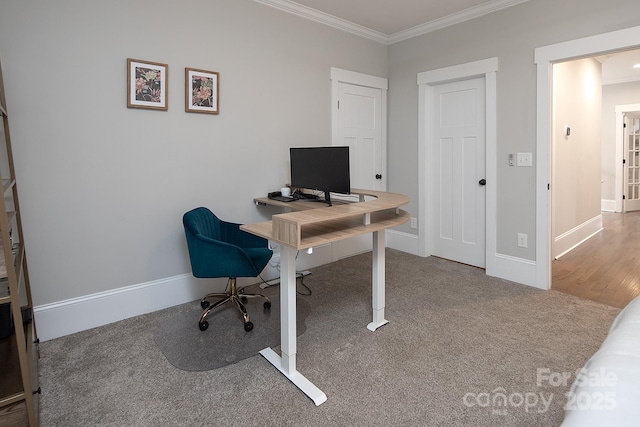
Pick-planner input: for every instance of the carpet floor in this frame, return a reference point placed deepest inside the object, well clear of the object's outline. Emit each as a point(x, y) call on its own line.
point(461, 349)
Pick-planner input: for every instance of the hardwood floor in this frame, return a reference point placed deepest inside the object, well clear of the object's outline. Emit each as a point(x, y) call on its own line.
point(605, 268)
point(14, 415)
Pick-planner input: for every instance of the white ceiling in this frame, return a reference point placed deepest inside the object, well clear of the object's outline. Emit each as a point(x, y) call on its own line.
point(618, 68)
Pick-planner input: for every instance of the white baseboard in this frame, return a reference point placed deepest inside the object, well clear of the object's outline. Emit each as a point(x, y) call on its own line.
point(404, 242)
point(514, 269)
point(574, 237)
point(90, 311)
point(608, 205)
point(78, 314)
point(506, 267)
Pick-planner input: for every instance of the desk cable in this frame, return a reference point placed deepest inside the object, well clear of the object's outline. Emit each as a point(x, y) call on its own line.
point(298, 275)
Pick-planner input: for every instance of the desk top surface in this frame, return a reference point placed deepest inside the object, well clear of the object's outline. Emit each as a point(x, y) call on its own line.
point(311, 224)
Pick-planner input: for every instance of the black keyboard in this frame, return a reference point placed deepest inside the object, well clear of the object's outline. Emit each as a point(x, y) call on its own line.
point(282, 198)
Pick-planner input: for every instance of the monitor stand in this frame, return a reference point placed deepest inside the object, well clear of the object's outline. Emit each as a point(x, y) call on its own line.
point(327, 198)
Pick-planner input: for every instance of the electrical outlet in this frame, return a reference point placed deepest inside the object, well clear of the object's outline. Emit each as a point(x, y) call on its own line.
point(414, 222)
point(522, 240)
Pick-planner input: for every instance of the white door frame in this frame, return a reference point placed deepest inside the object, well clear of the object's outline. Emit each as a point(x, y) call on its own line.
point(545, 57)
point(620, 154)
point(486, 68)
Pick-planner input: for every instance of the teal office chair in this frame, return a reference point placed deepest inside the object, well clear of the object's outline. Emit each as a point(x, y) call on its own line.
point(220, 249)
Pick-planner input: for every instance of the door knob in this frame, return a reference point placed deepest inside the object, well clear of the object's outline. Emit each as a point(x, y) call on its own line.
point(482, 182)
point(378, 176)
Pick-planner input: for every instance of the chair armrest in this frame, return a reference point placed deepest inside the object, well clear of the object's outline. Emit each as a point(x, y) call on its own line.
point(231, 233)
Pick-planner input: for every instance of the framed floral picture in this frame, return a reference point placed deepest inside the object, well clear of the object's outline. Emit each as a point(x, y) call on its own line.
point(202, 91)
point(147, 84)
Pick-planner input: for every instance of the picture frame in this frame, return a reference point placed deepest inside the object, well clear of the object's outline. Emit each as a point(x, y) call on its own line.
point(147, 84)
point(201, 91)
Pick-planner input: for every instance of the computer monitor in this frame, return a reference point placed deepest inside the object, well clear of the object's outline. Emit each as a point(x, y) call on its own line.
point(324, 169)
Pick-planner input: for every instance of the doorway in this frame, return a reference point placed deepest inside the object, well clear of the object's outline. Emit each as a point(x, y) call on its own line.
point(602, 266)
point(622, 151)
point(545, 57)
point(631, 164)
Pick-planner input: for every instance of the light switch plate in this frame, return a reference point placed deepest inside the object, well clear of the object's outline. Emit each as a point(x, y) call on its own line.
point(524, 159)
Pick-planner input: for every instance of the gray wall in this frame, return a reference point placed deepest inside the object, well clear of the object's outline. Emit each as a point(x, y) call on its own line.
point(511, 35)
point(102, 187)
point(577, 164)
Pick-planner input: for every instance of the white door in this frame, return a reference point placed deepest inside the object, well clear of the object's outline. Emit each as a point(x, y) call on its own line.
point(359, 122)
point(631, 173)
point(360, 128)
point(457, 178)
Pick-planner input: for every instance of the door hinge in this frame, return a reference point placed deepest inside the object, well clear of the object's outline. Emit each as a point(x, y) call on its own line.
point(624, 197)
point(624, 161)
point(338, 104)
point(548, 186)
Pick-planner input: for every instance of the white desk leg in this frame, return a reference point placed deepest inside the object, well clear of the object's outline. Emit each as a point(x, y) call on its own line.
point(378, 279)
point(286, 363)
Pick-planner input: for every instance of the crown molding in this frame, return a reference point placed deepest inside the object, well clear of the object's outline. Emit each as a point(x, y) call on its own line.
point(456, 18)
point(324, 18)
point(344, 25)
point(619, 80)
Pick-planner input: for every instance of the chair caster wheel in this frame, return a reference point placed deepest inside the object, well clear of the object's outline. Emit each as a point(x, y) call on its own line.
point(203, 325)
point(248, 326)
point(267, 305)
point(205, 304)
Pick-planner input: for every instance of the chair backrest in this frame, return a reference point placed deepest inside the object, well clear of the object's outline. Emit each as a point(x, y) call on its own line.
point(202, 221)
point(215, 249)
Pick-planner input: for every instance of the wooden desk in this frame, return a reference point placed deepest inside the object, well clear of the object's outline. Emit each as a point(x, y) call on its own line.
point(313, 224)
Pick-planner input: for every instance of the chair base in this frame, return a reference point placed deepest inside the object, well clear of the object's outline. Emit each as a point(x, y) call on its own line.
point(232, 295)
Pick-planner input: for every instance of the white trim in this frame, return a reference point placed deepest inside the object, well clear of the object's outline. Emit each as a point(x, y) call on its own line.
point(608, 205)
point(456, 18)
point(360, 79)
point(90, 311)
point(573, 238)
point(350, 27)
point(458, 72)
point(544, 58)
point(486, 68)
point(326, 19)
point(515, 269)
point(620, 80)
point(619, 177)
point(403, 242)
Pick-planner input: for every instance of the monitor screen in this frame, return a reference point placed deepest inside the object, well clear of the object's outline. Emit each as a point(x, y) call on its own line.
point(321, 168)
